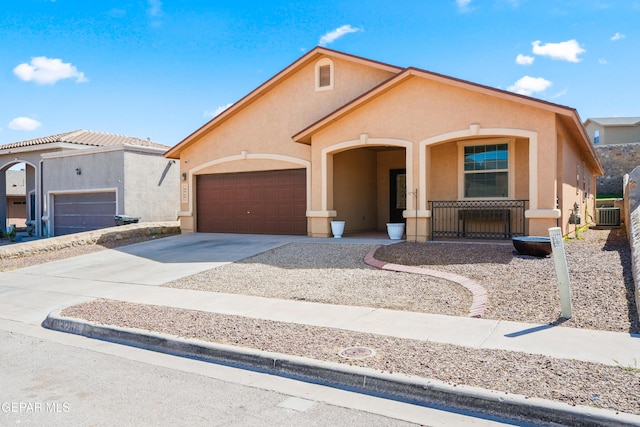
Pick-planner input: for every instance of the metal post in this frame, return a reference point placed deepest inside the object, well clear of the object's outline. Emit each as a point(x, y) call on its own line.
point(564, 285)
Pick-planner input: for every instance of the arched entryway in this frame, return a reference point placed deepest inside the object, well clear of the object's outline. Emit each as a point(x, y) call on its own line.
point(366, 183)
point(18, 201)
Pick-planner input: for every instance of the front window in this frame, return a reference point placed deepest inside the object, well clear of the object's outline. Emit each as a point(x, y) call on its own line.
point(486, 170)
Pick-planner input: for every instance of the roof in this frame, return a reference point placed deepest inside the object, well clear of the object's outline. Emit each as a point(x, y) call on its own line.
point(615, 121)
point(304, 136)
point(85, 137)
point(268, 85)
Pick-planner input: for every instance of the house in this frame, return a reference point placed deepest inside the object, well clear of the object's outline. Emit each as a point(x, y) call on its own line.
point(617, 145)
point(78, 181)
point(336, 136)
point(613, 130)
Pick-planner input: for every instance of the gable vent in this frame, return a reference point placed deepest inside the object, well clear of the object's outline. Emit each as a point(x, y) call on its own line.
point(324, 76)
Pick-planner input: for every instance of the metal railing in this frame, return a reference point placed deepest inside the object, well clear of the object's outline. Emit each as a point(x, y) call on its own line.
point(477, 219)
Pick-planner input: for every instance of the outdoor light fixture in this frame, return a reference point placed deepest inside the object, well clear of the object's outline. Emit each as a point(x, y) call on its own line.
point(184, 176)
point(78, 171)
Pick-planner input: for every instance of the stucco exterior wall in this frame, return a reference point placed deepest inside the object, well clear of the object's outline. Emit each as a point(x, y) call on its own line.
point(443, 182)
point(416, 121)
point(354, 189)
point(577, 183)
point(99, 170)
point(265, 126)
point(409, 114)
point(144, 181)
point(150, 187)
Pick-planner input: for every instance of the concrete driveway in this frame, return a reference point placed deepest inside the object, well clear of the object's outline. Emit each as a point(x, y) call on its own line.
point(29, 294)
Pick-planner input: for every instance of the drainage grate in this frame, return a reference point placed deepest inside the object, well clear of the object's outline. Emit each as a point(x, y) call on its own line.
point(356, 352)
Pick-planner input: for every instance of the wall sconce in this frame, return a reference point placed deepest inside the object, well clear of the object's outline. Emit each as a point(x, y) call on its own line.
point(184, 176)
point(78, 171)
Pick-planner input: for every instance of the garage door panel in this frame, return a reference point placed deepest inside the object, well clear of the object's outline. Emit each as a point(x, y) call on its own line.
point(77, 212)
point(254, 202)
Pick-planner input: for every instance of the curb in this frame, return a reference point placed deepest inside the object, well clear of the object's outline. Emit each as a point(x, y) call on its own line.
point(421, 391)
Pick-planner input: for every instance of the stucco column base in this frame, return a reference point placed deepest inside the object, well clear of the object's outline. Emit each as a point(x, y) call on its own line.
point(541, 226)
point(319, 223)
point(541, 220)
point(418, 225)
point(186, 224)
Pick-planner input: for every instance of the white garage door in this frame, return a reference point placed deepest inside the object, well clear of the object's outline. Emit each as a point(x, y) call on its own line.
point(76, 212)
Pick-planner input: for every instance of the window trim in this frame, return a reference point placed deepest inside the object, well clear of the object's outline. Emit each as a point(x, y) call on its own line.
point(510, 170)
point(324, 62)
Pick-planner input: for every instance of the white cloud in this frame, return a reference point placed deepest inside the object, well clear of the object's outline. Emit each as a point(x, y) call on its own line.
point(567, 51)
point(210, 114)
point(45, 70)
point(602, 61)
point(529, 85)
point(463, 5)
point(560, 94)
point(24, 123)
point(618, 36)
point(524, 59)
point(155, 8)
point(334, 35)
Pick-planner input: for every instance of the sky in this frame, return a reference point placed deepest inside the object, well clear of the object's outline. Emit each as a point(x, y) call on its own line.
point(160, 69)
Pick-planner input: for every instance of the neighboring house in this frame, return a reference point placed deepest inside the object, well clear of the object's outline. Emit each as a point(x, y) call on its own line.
point(617, 144)
point(78, 181)
point(613, 130)
point(335, 136)
point(16, 200)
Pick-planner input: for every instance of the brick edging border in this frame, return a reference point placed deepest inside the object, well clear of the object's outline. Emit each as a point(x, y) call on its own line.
point(478, 292)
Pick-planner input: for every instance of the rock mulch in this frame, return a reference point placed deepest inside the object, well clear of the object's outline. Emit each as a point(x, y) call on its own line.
point(520, 288)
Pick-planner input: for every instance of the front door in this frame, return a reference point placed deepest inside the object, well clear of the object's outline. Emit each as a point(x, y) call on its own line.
point(398, 194)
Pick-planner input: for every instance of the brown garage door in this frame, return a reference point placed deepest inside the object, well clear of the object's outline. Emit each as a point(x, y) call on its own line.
point(268, 202)
point(73, 213)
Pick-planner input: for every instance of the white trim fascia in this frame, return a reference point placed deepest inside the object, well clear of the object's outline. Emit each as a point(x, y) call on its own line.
point(44, 147)
point(84, 190)
point(322, 214)
point(419, 214)
point(365, 141)
point(108, 149)
point(543, 213)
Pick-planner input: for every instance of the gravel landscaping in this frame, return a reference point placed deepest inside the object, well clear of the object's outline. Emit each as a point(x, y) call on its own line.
point(520, 288)
point(569, 381)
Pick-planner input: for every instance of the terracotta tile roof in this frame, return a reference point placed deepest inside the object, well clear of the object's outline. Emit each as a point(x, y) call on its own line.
point(85, 137)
